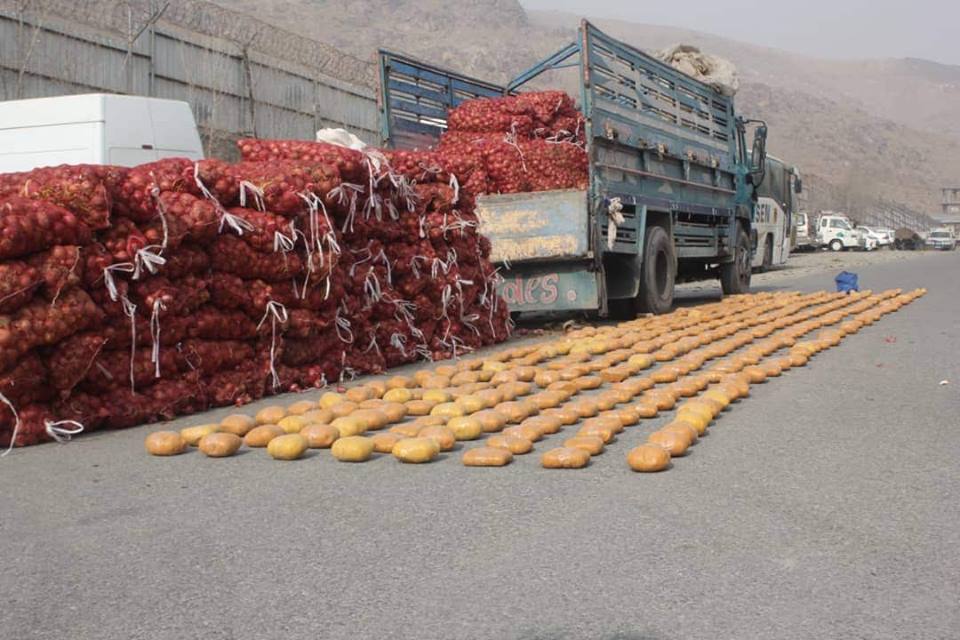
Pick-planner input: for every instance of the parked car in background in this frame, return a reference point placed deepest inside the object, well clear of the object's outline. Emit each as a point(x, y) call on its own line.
point(881, 239)
point(803, 239)
point(890, 234)
point(941, 239)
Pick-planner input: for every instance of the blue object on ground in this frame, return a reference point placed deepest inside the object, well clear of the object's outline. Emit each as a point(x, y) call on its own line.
point(847, 282)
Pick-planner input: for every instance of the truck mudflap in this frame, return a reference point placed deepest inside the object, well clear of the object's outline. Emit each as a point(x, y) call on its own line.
point(540, 226)
point(550, 287)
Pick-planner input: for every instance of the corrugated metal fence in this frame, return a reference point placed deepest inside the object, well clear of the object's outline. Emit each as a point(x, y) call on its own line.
point(234, 91)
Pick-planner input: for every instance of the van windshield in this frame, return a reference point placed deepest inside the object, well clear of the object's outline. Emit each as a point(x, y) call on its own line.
point(939, 234)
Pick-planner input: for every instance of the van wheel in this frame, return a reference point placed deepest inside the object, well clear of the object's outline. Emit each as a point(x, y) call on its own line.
point(767, 254)
point(657, 273)
point(735, 276)
point(836, 245)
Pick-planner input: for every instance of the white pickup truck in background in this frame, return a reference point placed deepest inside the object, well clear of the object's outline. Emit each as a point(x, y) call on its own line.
point(837, 233)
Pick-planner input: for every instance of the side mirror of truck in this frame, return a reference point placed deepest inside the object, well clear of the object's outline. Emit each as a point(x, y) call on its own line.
point(798, 186)
point(758, 155)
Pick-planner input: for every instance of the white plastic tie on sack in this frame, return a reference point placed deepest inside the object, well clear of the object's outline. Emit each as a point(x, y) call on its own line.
point(147, 260)
point(56, 296)
point(345, 370)
point(162, 212)
point(371, 286)
point(340, 193)
point(424, 352)
point(207, 193)
point(375, 204)
point(313, 219)
point(351, 214)
point(158, 306)
point(413, 265)
point(468, 322)
point(392, 210)
point(455, 185)
point(342, 325)
point(130, 310)
point(511, 139)
point(59, 433)
point(234, 222)
point(367, 257)
point(296, 288)
point(283, 242)
point(416, 333)
point(373, 345)
point(614, 219)
point(248, 187)
point(386, 263)
point(399, 342)
point(306, 279)
point(124, 267)
point(405, 308)
point(16, 423)
point(445, 299)
point(275, 312)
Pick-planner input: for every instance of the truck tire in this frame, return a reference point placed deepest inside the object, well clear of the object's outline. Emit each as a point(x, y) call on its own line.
point(836, 245)
point(657, 273)
point(735, 276)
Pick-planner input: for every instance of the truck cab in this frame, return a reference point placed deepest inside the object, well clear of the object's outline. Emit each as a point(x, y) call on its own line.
point(95, 128)
point(672, 185)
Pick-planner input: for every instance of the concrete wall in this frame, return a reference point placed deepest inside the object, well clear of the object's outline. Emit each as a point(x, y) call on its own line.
point(236, 83)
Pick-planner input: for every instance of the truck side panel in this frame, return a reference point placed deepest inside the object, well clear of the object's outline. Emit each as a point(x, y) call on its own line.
point(567, 286)
point(536, 226)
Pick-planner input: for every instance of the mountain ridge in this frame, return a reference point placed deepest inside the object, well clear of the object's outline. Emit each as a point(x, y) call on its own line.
point(861, 130)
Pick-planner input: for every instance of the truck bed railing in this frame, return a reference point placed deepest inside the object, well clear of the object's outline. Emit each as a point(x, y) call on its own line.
point(415, 97)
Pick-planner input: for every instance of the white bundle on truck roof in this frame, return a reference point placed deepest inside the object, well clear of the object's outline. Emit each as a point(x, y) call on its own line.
point(717, 72)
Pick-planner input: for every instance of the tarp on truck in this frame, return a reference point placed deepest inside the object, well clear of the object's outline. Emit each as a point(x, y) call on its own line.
point(717, 72)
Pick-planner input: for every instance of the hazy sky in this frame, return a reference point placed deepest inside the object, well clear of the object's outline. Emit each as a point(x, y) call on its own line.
point(838, 28)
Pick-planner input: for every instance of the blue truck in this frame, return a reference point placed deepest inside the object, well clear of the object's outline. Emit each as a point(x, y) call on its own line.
point(672, 184)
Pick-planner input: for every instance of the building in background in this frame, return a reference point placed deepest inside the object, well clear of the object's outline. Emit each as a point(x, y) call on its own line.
point(951, 201)
point(950, 209)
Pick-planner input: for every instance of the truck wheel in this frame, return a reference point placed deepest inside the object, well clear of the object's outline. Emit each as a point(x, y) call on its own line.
point(735, 276)
point(836, 245)
point(657, 273)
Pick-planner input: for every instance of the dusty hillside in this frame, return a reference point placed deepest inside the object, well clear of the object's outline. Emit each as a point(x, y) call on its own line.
point(917, 93)
point(860, 130)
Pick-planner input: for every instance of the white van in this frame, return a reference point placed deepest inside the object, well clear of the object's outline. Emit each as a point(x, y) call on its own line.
point(95, 128)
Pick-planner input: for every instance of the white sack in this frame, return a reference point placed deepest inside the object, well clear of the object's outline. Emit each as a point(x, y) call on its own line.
point(341, 138)
point(717, 72)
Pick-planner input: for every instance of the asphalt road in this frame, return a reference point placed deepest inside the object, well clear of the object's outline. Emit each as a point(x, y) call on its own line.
point(827, 505)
